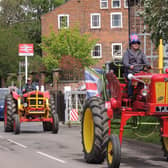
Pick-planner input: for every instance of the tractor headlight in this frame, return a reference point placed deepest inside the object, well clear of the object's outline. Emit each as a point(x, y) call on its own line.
point(25, 104)
point(40, 102)
point(144, 92)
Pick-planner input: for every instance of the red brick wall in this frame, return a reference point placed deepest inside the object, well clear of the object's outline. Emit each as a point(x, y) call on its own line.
point(137, 26)
point(80, 13)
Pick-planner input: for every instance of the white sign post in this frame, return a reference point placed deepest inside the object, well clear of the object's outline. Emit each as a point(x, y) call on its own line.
point(26, 50)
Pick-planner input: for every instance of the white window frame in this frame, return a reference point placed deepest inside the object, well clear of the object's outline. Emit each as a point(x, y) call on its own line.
point(116, 13)
point(101, 4)
point(125, 6)
point(91, 25)
point(59, 16)
point(113, 56)
point(113, 6)
point(97, 57)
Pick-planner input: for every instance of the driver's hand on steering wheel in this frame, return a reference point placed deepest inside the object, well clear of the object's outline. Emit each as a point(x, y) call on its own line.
point(147, 67)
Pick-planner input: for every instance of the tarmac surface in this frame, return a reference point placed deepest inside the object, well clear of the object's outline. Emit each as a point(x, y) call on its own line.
point(33, 148)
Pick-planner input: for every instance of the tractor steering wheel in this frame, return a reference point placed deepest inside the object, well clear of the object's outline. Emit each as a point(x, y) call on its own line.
point(145, 67)
point(118, 63)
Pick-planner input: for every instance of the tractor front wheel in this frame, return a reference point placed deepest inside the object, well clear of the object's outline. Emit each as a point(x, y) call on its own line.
point(113, 152)
point(164, 141)
point(47, 126)
point(55, 126)
point(10, 110)
point(94, 130)
point(16, 124)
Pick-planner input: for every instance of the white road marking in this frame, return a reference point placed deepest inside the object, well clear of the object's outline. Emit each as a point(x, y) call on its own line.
point(41, 153)
point(19, 144)
point(51, 157)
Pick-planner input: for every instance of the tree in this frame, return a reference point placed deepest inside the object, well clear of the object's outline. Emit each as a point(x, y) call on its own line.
point(36, 8)
point(20, 23)
point(9, 59)
point(12, 11)
point(67, 42)
point(156, 17)
point(27, 12)
point(39, 7)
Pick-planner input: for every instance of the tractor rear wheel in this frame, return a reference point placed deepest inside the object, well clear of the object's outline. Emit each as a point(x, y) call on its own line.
point(55, 126)
point(113, 152)
point(47, 126)
point(94, 130)
point(16, 124)
point(10, 110)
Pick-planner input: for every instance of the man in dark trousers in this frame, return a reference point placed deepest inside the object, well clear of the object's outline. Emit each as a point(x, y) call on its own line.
point(133, 59)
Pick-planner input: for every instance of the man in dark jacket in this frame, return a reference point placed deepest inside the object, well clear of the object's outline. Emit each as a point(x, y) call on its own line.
point(29, 86)
point(133, 59)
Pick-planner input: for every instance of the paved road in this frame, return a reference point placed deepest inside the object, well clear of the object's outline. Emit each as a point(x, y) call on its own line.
point(34, 148)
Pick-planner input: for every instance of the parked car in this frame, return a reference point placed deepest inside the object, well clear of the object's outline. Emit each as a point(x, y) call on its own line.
point(3, 93)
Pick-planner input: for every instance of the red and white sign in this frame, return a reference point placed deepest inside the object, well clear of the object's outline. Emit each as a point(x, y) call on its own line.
point(74, 115)
point(26, 50)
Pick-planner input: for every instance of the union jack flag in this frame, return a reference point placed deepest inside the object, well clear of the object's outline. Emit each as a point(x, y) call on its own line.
point(92, 82)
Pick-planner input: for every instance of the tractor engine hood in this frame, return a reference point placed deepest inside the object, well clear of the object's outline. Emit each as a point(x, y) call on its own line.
point(143, 77)
point(159, 89)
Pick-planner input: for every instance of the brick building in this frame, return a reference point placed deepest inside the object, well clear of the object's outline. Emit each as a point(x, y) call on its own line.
point(106, 20)
point(136, 24)
point(110, 21)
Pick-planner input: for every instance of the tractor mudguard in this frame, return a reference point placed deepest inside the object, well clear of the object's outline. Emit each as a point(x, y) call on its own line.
point(47, 94)
point(15, 95)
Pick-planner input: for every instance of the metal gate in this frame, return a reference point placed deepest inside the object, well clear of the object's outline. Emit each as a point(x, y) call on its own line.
point(74, 101)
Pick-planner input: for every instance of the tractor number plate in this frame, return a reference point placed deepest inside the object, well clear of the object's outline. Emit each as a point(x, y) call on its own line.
point(162, 109)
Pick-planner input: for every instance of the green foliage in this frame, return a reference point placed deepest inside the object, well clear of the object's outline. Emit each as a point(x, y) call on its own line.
point(34, 61)
point(50, 62)
point(43, 6)
point(11, 11)
point(68, 42)
point(156, 17)
point(20, 23)
point(10, 38)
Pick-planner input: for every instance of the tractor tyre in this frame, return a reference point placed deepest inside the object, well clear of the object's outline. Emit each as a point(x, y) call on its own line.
point(113, 152)
point(10, 110)
point(55, 125)
point(16, 124)
point(47, 126)
point(52, 104)
point(94, 130)
point(164, 142)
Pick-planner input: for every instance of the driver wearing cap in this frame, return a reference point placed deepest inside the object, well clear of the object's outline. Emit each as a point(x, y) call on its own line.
point(133, 59)
point(29, 86)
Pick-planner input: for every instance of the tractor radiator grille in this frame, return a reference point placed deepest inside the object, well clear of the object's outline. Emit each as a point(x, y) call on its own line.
point(161, 90)
point(36, 101)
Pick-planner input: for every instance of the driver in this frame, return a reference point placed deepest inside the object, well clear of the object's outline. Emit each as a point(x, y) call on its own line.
point(133, 59)
point(29, 86)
